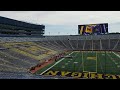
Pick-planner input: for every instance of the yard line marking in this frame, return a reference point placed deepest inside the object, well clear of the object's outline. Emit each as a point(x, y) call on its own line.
point(101, 65)
point(54, 64)
point(118, 66)
point(66, 63)
point(75, 62)
point(63, 66)
point(80, 64)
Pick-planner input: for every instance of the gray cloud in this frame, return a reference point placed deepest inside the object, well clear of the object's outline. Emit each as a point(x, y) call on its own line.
point(29, 16)
point(64, 17)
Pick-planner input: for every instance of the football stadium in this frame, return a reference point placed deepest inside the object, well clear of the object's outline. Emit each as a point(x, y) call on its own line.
point(26, 53)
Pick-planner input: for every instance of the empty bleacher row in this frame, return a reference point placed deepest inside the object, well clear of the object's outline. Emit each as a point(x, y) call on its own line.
point(101, 44)
point(21, 56)
point(60, 38)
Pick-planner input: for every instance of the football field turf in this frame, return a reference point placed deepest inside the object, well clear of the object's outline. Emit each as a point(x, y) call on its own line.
point(101, 62)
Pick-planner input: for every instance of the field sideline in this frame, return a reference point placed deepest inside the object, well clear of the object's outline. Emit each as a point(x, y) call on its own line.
point(97, 62)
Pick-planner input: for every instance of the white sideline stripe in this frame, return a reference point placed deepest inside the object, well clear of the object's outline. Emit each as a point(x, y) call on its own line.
point(119, 57)
point(54, 64)
point(113, 60)
point(116, 54)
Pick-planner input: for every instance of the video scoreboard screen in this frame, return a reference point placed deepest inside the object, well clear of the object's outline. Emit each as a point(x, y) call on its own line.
point(95, 29)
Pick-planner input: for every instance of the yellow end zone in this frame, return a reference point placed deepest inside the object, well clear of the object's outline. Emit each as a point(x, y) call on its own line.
point(85, 75)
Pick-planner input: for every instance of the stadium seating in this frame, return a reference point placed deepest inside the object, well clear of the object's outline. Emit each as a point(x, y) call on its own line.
point(19, 54)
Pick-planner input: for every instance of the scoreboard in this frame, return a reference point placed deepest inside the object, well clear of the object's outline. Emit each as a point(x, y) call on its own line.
point(90, 29)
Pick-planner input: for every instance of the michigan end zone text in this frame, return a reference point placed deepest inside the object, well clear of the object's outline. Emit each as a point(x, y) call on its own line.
point(79, 75)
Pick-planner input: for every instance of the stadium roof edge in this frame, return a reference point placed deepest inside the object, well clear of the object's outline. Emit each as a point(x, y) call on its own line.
point(20, 21)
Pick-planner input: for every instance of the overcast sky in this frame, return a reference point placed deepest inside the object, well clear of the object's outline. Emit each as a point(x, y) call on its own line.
point(66, 22)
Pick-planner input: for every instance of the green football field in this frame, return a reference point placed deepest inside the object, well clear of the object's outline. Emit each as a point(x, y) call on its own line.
point(101, 62)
